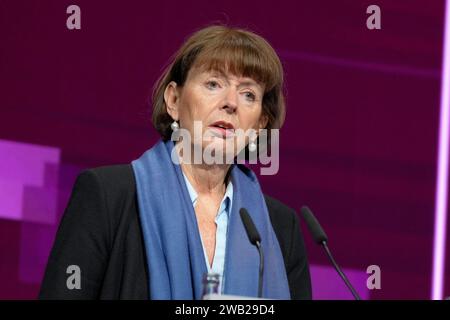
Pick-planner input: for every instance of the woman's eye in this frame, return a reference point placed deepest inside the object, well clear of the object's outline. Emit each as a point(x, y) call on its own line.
point(250, 96)
point(212, 85)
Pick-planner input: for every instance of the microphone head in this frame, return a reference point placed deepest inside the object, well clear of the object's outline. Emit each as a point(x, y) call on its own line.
point(313, 225)
point(250, 228)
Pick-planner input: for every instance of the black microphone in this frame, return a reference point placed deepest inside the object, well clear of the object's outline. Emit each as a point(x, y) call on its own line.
point(255, 239)
point(321, 238)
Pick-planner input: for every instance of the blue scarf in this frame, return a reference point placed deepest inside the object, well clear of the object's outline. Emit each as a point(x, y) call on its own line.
point(174, 251)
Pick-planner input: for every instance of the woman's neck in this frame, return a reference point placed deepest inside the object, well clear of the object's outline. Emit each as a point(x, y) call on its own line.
point(207, 179)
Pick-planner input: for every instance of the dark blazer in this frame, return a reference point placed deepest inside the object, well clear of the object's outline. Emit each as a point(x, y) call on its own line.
point(101, 233)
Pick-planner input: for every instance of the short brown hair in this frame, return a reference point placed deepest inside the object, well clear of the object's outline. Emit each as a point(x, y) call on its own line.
point(223, 48)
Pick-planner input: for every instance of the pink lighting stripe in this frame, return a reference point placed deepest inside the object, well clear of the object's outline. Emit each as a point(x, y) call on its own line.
point(440, 223)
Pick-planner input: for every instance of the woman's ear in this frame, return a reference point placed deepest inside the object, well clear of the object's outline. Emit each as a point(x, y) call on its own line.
point(263, 120)
point(171, 98)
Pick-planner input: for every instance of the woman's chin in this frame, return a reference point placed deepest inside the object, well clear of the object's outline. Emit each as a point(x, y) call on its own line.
point(218, 152)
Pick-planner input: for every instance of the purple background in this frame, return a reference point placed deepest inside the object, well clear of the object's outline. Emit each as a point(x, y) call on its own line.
point(359, 145)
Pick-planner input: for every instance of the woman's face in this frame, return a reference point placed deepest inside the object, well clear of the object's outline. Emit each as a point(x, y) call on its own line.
point(222, 103)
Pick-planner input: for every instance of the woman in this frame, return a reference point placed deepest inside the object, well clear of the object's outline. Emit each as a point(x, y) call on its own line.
point(152, 229)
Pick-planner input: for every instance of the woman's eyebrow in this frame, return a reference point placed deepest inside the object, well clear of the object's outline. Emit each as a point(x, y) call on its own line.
point(250, 83)
point(216, 73)
point(244, 83)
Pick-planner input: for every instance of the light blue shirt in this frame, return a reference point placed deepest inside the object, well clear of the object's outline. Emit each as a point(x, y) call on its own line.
point(221, 231)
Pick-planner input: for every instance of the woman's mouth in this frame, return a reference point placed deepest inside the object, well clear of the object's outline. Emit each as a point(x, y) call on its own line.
point(222, 129)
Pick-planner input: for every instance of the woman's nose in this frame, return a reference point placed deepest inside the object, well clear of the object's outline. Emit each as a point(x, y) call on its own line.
point(231, 100)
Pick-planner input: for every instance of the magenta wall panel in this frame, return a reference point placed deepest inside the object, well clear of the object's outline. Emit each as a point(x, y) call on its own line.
point(328, 286)
point(28, 181)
